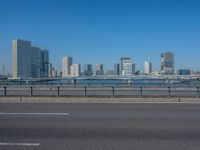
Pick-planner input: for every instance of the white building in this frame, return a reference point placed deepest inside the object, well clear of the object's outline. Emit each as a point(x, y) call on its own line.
point(99, 69)
point(126, 66)
point(75, 70)
point(147, 68)
point(67, 62)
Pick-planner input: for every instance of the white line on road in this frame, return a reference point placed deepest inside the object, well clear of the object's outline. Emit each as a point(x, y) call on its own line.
point(19, 144)
point(41, 114)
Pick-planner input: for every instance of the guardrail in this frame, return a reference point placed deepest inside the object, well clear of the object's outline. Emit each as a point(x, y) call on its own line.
point(111, 92)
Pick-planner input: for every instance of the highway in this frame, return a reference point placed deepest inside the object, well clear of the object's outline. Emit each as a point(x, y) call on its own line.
point(99, 126)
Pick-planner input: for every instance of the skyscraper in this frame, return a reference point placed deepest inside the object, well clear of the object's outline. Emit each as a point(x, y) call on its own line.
point(75, 70)
point(133, 68)
point(21, 59)
point(167, 63)
point(147, 68)
point(67, 62)
point(44, 64)
point(117, 69)
point(126, 66)
point(88, 70)
point(51, 70)
point(36, 62)
point(29, 61)
point(99, 69)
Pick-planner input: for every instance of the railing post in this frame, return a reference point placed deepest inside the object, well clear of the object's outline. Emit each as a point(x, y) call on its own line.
point(198, 92)
point(169, 91)
point(113, 91)
point(140, 91)
point(31, 88)
point(5, 91)
point(85, 91)
point(58, 91)
point(75, 83)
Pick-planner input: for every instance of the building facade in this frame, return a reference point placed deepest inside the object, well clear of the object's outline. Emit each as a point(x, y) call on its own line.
point(21, 56)
point(99, 69)
point(67, 62)
point(117, 69)
point(167, 63)
point(184, 72)
point(75, 70)
point(147, 68)
point(29, 61)
point(44, 64)
point(87, 70)
point(126, 66)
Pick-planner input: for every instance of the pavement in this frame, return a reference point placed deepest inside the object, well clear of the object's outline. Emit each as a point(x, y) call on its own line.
point(99, 126)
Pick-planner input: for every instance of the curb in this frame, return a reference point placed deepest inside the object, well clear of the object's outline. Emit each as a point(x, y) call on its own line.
point(101, 99)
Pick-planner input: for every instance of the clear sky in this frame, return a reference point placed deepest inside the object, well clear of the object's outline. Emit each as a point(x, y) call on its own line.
point(102, 31)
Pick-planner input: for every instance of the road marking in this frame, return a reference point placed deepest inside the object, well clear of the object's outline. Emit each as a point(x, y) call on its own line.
point(39, 114)
point(19, 144)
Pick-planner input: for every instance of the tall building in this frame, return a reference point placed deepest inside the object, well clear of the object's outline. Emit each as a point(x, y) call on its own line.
point(133, 68)
point(88, 70)
point(117, 69)
point(167, 63)
point(21, 56)
point(126, 66)
point(51, 70)
point(29, 61)
point(99, 69)
point(36, 62)
point(147, 68)
point(44, 64)
point(75, 70)
point(67, 62)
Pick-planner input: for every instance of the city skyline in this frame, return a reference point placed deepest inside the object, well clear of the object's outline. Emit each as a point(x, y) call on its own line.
point(46, 68)
point(110, 30)
point(29, 61)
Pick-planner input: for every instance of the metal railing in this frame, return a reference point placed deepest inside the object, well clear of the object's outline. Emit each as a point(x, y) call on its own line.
point(107, 92)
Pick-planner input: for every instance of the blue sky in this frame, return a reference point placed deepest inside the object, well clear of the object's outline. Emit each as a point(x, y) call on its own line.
point(102, 31)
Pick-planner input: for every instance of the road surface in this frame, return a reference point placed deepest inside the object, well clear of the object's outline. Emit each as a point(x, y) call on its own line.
point(92, 126)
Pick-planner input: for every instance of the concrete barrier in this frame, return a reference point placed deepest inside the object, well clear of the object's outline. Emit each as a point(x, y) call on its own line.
point(101, 99)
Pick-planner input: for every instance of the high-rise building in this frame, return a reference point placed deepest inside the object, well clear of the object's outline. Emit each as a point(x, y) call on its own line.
point(54, 73)
point(67, 62)
point(29, 61)
point(21, 56)
point(117, 69)
point(51, 70)
point(99, 69)
point(147, 68)
point(36, 62)
point(88, 70)
point(126, 66)
point(44, 66)
point(75, 70)
point(167, 63)
point(133, 68)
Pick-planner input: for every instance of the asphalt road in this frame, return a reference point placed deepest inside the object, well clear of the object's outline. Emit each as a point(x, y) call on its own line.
point(85, 126)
